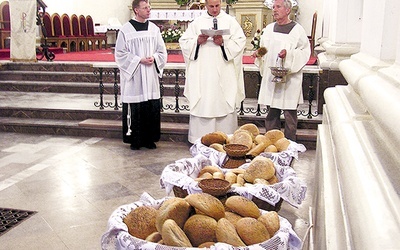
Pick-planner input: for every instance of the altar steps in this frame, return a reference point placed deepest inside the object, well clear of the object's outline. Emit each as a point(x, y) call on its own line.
point(60, 98)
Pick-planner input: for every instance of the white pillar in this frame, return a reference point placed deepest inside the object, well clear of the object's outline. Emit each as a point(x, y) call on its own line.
point(342, 31)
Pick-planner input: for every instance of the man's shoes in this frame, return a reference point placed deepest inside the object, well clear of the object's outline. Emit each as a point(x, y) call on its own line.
point(150, 145)
point(134, 147)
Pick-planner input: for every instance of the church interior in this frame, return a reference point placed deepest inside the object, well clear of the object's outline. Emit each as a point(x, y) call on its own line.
point(65, 173)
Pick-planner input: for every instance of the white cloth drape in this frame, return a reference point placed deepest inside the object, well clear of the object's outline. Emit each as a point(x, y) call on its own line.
point(23, 30)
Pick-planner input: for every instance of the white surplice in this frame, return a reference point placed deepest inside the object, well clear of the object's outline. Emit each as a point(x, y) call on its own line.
point(283, 95)
point(214, 85)
point(140, 82)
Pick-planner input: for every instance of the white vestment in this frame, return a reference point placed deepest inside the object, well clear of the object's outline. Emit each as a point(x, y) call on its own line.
point(214, 85)
point(140, 82)
point(283, 95)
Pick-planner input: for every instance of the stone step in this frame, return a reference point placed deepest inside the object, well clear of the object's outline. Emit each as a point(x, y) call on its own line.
point(170, 131)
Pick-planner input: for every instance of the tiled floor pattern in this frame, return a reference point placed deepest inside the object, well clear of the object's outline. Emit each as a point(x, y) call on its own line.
point(75, 183)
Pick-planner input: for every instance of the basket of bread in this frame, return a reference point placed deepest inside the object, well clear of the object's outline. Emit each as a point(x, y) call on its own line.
point(260, 180)
point(272, 144)
point(197, 221)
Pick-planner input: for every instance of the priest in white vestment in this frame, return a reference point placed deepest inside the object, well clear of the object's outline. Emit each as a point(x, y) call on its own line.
point(287, 42)
point(141, 55)
point(214, 83)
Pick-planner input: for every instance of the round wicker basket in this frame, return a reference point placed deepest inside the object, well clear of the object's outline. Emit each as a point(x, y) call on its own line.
point(236, 150)
point(215, 187)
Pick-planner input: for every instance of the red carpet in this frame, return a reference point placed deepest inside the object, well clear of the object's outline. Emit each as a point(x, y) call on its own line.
point(108, 56)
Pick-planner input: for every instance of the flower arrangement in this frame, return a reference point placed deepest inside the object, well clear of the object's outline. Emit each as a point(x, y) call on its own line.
point(172, 34)
point(256, 40)
point(182, 2)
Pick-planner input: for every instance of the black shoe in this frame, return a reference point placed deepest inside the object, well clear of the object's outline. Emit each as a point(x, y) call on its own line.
point(150, 145)
point(134, 147)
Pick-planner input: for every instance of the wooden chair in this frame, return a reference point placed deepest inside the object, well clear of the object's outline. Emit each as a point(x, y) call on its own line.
point(67, 30)
point(58, 33)
point(100, 39)
point(76, 30)
point(311, 38)
point(90, 41)
point(5, 31)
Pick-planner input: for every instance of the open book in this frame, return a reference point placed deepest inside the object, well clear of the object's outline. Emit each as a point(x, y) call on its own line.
point(215, 32)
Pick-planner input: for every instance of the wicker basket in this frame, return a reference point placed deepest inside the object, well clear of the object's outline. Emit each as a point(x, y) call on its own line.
point(235, 155)
point(215, 187)
point(236, 150)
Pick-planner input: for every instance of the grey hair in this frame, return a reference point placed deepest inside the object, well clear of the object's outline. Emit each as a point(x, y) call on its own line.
point(287, 3)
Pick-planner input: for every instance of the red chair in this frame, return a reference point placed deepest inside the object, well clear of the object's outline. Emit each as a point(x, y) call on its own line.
point(72, 40)
point(5, 31)
point(100, 39)
point(83, 29)
point(58, 31)
point(82, 40)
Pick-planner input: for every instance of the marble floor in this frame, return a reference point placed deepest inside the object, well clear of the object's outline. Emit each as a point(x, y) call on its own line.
point(75, 183)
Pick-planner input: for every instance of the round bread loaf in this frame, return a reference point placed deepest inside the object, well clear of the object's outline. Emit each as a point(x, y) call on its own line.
point(242, 137)
point(176, 209)
point(274, 134)
point(200, 229)
point(260, 167)
point(217, 146)
point(141, 221)
point(271, 149)
point(282, 144)
point(231, 177)
point(271, 222)
point(226, 232)
point(242, 206)
point(173, 235)
point(213, 137)
point(207, 204)
point(252, 128)
point(210, 169)
point(262, 139)
point(251, 231)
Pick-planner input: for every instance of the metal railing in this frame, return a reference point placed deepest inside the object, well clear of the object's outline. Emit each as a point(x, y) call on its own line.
point(172, 85)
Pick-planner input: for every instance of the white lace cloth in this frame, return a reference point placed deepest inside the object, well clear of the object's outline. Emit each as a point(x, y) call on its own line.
point(282, 158)
point(117, 236)
point(182, 172)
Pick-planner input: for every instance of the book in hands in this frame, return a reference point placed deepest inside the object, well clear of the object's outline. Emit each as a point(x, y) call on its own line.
point(212, 33)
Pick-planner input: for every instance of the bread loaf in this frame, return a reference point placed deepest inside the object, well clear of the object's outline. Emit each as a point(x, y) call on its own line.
point(154, 237)
point(271, 221)
point(176, 209)
point(251, 231)
point(252, 128)
point(260, 167)
point(200, 229)
point(226, 232)
point(232, 217)
point(207, 204)
point(213, 137)
point(173, 235)
point(217, 146)
point(210, 169)
point(274, 134)
point(242, 206)
point(282, 144)
point(242, 137)
point(141, 221)
point(258, 149)
point(271, 149)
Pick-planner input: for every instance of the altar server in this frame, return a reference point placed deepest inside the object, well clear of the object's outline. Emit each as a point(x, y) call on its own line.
point(214, 77)
point(285, 41)
point(141, 55)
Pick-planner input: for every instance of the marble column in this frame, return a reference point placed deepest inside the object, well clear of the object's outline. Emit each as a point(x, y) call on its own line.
point(358, 177)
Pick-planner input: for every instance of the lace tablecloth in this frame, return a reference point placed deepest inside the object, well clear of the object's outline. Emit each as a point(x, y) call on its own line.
point(182, 172)
point(117, 236)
